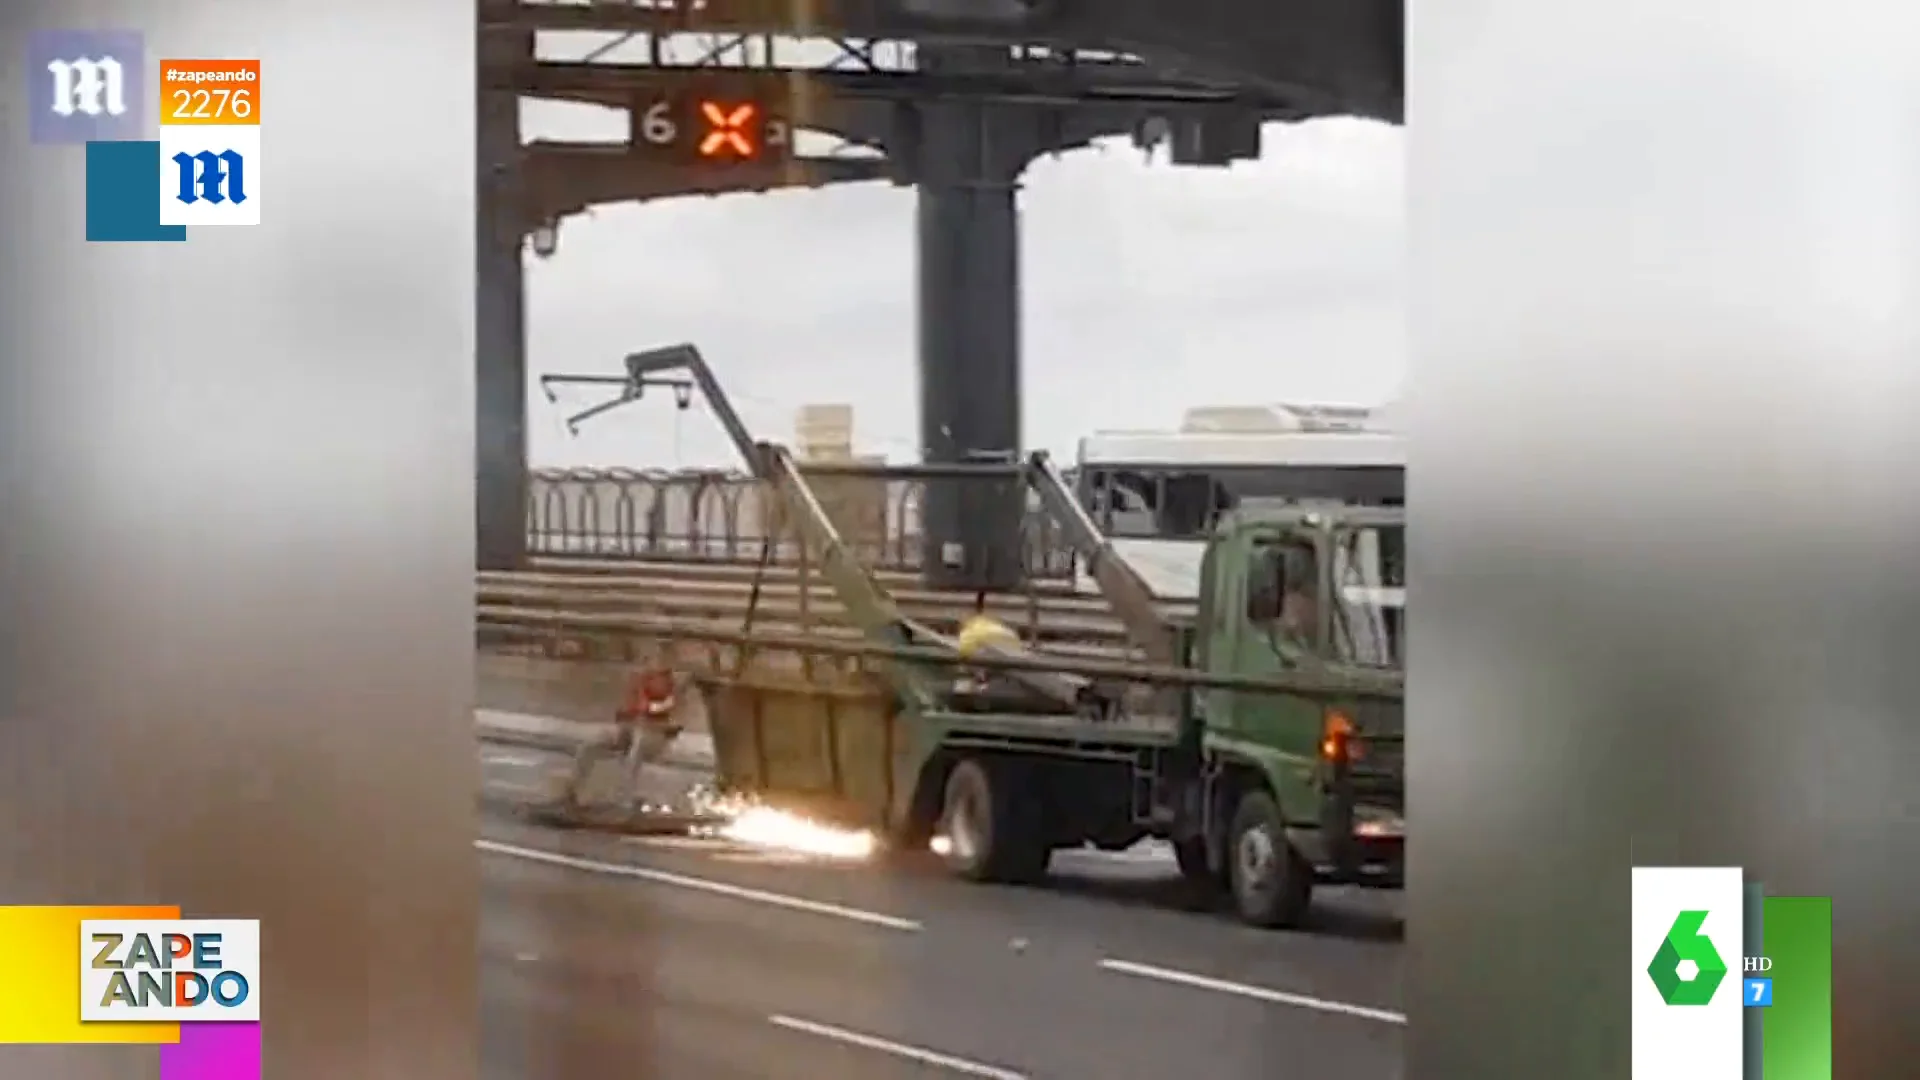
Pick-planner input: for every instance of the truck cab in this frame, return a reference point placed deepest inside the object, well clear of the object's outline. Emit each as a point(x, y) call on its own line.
point(1309, 790)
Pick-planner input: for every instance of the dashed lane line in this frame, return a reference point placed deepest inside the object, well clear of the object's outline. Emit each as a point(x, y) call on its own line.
point(1248, 990)
point(919, 1054)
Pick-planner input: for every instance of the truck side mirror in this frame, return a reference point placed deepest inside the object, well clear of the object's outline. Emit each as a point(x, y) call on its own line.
point(1266, 585)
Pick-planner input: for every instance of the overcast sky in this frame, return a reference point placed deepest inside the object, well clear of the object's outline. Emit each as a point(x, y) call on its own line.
point(1149, 289)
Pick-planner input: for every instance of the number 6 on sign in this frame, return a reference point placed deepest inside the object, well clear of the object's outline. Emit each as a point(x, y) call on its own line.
point(210, 142)
point(656, 125)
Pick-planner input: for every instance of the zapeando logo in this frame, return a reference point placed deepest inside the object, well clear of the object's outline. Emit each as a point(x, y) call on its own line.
point(1686, 947)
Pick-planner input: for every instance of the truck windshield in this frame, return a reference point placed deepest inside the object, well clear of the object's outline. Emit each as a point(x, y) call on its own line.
point(1370, 585)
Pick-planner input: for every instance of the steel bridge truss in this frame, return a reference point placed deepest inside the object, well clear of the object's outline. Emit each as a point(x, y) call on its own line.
point(881, 69)
point(858, 92)
point(1327, 57)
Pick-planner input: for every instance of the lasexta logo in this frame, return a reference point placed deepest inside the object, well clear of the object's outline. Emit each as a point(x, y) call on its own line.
point(1687, 969)
point(211, 177)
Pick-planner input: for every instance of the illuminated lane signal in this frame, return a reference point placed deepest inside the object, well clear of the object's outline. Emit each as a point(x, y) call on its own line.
point(730, 130)
point(708, 128)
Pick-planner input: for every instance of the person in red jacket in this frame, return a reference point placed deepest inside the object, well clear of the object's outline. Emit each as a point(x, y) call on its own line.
point(644, 726)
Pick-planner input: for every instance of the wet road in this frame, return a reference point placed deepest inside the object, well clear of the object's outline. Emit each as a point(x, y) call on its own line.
point(679, 959)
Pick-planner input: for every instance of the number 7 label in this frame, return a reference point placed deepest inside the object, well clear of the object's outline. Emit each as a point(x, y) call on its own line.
point(1758, 993)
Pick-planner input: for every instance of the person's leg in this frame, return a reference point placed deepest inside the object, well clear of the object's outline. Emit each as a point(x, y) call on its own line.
point(585, 758)
point(638, 753)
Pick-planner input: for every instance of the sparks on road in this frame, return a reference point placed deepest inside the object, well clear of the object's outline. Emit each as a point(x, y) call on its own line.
point(755, 825)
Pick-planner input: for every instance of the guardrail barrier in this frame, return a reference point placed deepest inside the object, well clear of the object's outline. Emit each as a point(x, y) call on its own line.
point(717, 516)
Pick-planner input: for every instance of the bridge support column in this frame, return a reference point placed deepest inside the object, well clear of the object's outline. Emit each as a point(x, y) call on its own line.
point(967, 158)
point(500, 355)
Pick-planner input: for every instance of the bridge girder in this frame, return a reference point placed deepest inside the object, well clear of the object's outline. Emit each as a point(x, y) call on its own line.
point(1326, 57)
point(971, 23)
point(1035, 84)
point(1070, 100)
point(563, 178)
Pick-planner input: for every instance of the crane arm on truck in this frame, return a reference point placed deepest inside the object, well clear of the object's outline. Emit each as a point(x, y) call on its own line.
point(873, 610)
point(1120, 584)
point(653, 363)
point(867, 603)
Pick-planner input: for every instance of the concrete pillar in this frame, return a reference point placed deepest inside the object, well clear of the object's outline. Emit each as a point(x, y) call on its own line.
point(500, 359)
point(967, 159)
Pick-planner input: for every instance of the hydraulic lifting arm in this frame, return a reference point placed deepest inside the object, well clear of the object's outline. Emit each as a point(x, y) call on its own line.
point(867, 604)
point(1123, 588)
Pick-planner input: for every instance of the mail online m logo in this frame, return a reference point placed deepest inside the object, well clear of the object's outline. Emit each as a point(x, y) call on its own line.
point(88, 87)
point(210, 177)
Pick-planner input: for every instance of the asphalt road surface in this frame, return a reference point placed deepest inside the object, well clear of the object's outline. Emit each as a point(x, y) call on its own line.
point(695, 959)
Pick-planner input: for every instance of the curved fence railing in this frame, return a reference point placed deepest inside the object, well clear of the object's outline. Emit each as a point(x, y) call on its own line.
point(729, 517)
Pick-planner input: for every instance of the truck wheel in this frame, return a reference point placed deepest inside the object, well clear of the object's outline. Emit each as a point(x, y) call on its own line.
point(988, 823)
point(1272, 885)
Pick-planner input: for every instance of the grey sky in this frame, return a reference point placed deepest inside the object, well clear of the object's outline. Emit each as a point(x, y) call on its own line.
point(1148, 289)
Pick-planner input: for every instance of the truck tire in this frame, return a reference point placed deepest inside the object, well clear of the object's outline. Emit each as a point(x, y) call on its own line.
point(1272, 885)
point(990, 827)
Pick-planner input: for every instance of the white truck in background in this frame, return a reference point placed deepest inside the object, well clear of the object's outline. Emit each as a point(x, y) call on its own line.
point(1158, 494)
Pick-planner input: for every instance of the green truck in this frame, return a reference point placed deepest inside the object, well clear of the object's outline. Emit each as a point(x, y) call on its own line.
point(1262, 736)
point(1264, 791)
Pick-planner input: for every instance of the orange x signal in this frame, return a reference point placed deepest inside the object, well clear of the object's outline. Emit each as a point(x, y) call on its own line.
point(727, 130)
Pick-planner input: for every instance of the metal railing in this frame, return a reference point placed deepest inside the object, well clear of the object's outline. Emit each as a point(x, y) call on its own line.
point(718, 516)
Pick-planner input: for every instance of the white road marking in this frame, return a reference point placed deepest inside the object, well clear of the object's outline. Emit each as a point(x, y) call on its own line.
point(1257, 993)
point(902, 1050)
point(715, 888)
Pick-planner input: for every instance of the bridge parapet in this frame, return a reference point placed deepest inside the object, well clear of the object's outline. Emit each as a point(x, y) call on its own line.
point(720, 516)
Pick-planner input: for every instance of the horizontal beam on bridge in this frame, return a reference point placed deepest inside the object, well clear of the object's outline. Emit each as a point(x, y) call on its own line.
point(1326, 57)
point(1046, 84)
point(566, 178)
point(984, 22)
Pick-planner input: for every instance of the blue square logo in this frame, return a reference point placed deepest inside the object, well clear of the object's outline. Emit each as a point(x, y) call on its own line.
point(86, 86)
point(1756, 993)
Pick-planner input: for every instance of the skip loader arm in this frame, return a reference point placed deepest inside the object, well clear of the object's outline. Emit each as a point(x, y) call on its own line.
point(867, 604)
point(1123, 588)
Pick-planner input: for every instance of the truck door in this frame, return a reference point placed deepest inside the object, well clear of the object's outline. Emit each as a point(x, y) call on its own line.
point(1253, 639)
